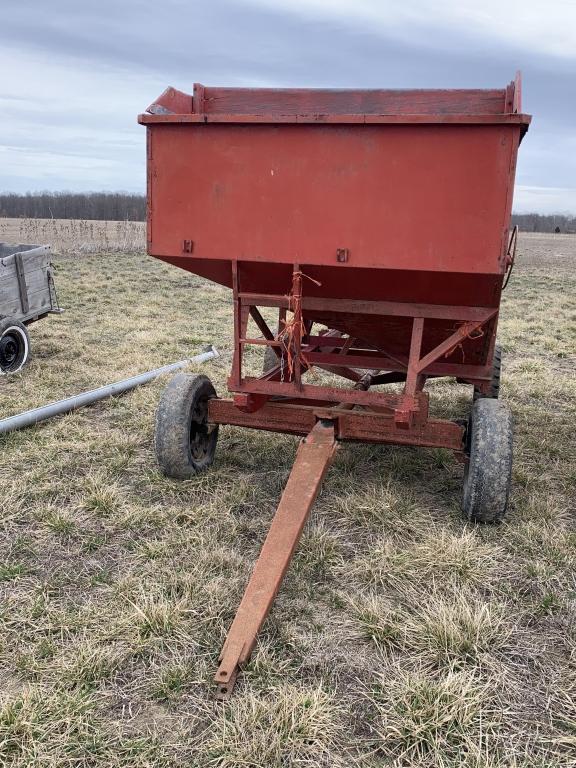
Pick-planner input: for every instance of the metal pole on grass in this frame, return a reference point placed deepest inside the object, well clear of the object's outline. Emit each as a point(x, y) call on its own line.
point(28, 418)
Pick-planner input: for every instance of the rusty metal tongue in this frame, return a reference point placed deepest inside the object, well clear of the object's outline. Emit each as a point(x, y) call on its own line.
point(314, 456)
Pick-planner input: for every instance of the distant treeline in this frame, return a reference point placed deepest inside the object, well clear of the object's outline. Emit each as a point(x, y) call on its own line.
point(120, 206)
point(116, 206)
point(536, 222)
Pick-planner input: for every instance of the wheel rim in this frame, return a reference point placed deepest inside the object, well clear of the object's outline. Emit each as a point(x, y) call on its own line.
point(199, 434)
point(13, 350)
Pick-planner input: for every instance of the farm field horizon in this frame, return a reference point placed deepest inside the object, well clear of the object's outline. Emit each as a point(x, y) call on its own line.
point(402, 635)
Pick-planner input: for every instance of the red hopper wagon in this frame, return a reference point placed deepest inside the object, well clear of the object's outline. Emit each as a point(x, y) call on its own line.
point(377, 224)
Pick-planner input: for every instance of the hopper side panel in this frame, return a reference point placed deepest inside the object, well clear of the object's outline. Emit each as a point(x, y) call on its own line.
point(431, 198)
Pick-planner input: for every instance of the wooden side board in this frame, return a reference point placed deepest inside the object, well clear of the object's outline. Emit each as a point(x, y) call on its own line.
point(25, 285)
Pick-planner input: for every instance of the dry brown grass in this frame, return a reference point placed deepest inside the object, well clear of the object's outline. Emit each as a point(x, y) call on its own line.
point(401, 637)
point(76, 235)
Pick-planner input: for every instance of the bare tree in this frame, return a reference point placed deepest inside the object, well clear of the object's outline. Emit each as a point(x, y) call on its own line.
point(115, 206)
point(536, 222)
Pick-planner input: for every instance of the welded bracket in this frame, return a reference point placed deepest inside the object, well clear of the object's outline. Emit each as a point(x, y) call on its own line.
point(314, 456)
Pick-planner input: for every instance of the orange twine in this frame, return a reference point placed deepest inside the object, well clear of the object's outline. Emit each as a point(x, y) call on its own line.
point(474, 334)
point(295, 326)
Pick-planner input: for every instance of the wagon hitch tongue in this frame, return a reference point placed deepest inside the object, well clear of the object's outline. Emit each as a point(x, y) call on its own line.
point(313, 458)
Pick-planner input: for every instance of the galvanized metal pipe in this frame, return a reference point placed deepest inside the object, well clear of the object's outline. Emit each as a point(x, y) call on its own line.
point(28, 418)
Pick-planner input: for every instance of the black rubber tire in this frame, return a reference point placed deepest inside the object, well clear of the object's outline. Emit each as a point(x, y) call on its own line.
point(184, 443)
point(270, 359)
point(488, 470)
point(14, 346)
point(494, 392)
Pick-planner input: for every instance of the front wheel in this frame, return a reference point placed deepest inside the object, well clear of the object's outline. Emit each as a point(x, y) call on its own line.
point(488, 471)
point(185, 443)
point(14, 346)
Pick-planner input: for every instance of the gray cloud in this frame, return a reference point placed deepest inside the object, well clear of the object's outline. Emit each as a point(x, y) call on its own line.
point(80, 72)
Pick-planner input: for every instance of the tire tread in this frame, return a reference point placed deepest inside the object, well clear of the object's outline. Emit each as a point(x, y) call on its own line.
point(172, 432)
point(488, 479)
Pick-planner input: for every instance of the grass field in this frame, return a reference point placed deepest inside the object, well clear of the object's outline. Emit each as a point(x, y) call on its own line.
point(401, 637)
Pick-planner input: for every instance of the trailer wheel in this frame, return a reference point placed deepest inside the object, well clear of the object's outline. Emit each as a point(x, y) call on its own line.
point(494, 391)
point(488, 470)
point(14, 346)
point(184, 442)
point(270, 359)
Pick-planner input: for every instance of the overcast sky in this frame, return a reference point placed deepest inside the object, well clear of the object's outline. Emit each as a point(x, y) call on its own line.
point(75, 73)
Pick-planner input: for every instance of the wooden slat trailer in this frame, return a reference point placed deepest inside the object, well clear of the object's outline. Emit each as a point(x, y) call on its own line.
point(377, 225)
point(27, 294)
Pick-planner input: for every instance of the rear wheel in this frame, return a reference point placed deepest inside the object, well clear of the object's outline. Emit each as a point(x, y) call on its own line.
point(270, 360)
point(488, 471)
point(494, 391)
point(14, 346)
point(184, 441)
